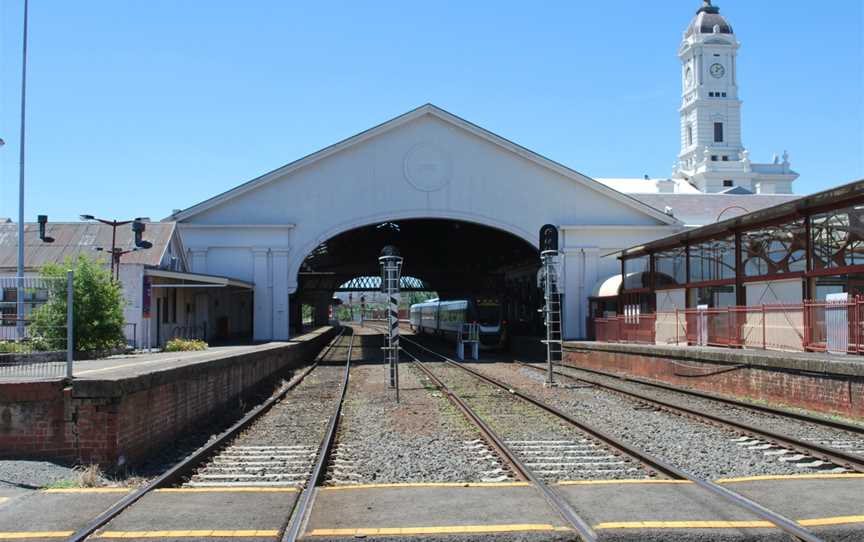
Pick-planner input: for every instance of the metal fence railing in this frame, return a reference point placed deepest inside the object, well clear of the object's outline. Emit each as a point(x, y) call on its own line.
point(819, 326)
point(36, 329)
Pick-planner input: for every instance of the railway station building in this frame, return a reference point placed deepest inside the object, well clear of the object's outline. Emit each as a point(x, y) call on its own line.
point(465, 205)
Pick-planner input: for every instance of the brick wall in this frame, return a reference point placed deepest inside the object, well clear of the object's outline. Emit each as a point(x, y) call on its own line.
point(834, 394)
point(124, 421)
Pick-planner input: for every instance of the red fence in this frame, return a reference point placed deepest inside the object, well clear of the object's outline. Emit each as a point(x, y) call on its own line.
point(799, 327)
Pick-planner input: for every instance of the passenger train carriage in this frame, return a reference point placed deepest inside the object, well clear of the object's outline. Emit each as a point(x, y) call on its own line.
point(446, 318)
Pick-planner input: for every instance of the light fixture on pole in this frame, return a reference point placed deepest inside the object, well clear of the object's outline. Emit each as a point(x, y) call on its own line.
point(138, 228)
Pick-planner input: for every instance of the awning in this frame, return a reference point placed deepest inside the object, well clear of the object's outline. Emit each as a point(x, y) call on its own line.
point(190, 280)
point(607, 287)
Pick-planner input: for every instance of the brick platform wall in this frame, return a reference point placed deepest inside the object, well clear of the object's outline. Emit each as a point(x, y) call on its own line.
point(833, 394)
point(125, 421)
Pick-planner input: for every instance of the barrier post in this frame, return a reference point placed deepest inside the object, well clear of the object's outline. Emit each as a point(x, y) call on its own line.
point(70, 327)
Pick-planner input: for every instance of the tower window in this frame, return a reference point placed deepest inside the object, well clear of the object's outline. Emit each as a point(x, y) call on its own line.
point(689, 134)
point(713, 157)
point(710, 94)
point(718, 132)
point(725, 158)
point(727, 183)
point(723, 94)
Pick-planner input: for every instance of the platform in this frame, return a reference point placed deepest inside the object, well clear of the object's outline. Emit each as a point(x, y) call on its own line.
point(819, 382)
point(830, 505)
point(119, 409)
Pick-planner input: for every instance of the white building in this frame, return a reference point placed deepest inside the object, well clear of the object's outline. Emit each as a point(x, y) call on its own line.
point(431, 164)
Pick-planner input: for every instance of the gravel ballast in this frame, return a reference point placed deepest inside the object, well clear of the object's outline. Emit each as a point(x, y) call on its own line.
point(422, 438)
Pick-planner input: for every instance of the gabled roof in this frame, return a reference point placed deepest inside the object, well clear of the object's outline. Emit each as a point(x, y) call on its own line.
point(437, 112)
point(74, 238)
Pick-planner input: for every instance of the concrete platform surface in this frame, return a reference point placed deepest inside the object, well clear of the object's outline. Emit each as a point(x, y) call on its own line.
point(128, 366)
point(830, 505)
point(619, 511)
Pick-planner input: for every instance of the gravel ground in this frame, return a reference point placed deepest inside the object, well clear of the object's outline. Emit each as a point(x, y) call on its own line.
point(423, 438)
point(701, 449)
point(553, 449)
point(35, 474)
point(279, 448)
point(843, 440)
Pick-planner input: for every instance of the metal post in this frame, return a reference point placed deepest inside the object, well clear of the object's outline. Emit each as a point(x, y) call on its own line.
point(552, 311)
point(70, 327)
point(391, 267)
point(19, 290)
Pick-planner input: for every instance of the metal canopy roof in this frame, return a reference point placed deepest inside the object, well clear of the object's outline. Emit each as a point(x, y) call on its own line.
point(798, 207)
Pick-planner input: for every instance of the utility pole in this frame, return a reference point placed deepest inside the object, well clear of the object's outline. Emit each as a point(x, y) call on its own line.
point(19, 287)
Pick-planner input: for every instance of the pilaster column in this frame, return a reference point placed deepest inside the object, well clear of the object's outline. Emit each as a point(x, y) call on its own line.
point(281, 317)
point(262, 320)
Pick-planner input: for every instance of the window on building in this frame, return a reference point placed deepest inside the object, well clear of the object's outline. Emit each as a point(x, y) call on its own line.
point(636, 273)
point(837, 237)
point(728, 183)
point(774, 249)
point(723, 94)
point(670, 268)
point(710, 94)
point(713, 260)
point(718, 132)
point(713, 157)
point(725, 158)
point(689, 134)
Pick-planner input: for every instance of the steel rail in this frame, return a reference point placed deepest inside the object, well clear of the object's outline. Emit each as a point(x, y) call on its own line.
point(185, 466)
point(838, 457)
point(786, 524)
point(833, 424)
point(558, 502)
point(303, 502)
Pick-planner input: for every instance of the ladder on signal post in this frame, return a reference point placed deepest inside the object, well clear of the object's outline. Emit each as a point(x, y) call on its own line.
point(552, 311)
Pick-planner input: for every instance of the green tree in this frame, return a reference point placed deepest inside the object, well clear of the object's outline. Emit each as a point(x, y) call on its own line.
point(97, 309)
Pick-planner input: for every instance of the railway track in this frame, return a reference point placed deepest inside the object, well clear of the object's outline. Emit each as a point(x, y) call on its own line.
point(784, 447)
point(659, 466)
point(225, 461)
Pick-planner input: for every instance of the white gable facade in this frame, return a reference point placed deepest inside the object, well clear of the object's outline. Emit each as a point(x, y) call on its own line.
point(424, 164)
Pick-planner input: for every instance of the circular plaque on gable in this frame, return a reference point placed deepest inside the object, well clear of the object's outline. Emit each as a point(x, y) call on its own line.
point(427, 167)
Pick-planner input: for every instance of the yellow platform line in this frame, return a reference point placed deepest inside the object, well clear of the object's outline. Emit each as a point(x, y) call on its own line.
point(248, 533)
point(826, 476)
point(228, 489)
point(23, 535)
point(425, 484)
point(837, 520)
point(687, 524)
point(448, 529)
point(87, 490)
point(620, 482)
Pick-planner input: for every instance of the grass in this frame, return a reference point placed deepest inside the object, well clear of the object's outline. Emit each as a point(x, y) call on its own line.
point(184, 345)
point(85, 476)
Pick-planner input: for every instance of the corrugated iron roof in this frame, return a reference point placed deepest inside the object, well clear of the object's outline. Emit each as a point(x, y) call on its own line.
point(74, 238)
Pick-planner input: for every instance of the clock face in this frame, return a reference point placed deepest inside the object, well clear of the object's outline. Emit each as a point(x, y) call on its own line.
point(717, 70)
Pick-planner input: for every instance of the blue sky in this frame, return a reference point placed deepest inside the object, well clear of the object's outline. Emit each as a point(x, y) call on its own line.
point(138, 107)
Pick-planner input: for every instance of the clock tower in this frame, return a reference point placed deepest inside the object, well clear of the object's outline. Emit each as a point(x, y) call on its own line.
point(711, 154)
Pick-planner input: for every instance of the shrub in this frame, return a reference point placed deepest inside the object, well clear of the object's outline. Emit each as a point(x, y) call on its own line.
point(97, 308)
point(184, 345)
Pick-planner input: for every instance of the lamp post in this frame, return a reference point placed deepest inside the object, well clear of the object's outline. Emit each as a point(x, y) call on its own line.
point(19, 289)
point(137, 226)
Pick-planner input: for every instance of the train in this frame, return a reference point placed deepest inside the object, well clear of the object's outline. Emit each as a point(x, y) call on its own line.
point(445, 318)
